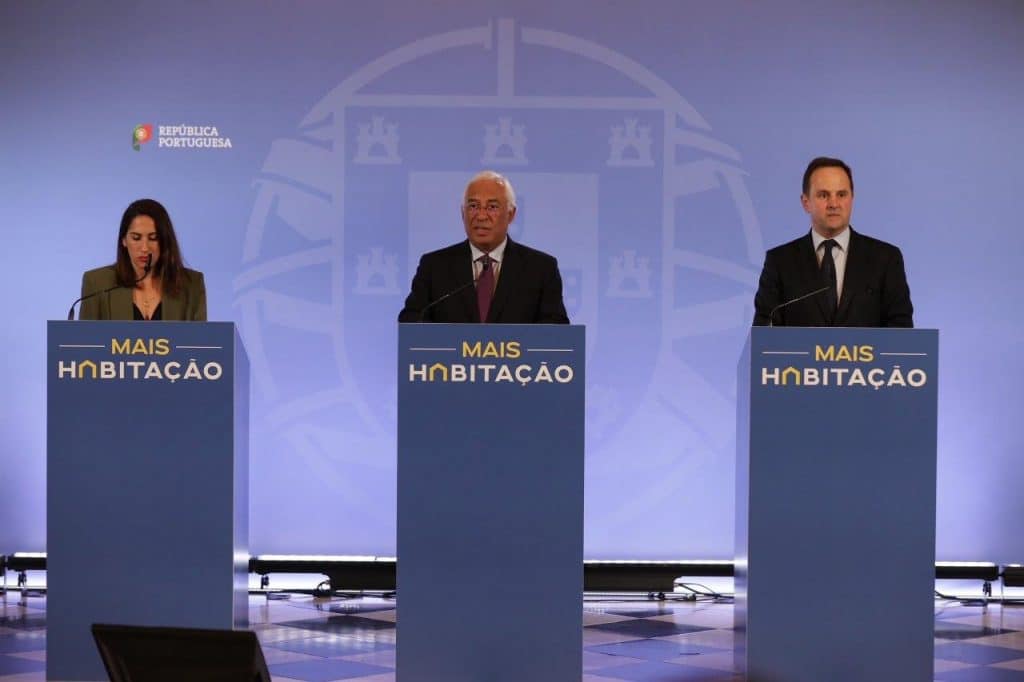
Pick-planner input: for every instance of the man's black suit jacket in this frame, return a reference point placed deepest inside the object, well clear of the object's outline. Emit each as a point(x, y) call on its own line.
point(529, 288)
point(875, 291)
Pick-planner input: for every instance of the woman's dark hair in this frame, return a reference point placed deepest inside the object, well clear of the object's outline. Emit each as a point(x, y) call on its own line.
point(169, 268)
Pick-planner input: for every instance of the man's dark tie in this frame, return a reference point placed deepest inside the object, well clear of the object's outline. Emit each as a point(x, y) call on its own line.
point(828, 273)
point(484, 286)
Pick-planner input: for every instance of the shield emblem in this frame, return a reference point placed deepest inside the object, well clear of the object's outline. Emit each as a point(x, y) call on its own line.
point(608, 181)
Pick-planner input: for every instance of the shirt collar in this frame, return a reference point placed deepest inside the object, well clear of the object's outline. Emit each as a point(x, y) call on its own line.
point(843, 239)
point(497, 254)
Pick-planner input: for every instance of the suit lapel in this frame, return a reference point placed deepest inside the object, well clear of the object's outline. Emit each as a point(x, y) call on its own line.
point(462, 272)
point(854, 276)
point(172, 308)
point(812, 276)
point(508, 273)
point(121, 304)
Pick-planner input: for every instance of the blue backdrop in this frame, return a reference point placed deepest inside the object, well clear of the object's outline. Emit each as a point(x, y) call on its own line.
point(657, 148)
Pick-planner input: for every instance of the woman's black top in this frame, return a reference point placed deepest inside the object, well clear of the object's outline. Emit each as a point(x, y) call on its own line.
point(156, 313)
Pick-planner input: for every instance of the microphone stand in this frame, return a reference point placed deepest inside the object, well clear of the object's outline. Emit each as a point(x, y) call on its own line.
point(771, 315)
point(145, 274)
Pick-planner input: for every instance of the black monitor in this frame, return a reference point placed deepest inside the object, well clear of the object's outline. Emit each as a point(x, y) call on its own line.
point(136, 653)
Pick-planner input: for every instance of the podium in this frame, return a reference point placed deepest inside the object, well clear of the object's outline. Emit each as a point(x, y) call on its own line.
point(147, 482)
point(490, 502)
point(835, 541)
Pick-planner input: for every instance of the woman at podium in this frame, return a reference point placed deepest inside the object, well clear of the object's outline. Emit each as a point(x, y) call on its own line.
point(149, 281)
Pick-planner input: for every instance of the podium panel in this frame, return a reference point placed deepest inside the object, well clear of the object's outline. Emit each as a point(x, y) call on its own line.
point(490, 502)
point(147, 482)
point(835, 555)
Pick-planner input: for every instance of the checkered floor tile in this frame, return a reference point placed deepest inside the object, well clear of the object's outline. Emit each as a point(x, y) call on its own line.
point(320, 640)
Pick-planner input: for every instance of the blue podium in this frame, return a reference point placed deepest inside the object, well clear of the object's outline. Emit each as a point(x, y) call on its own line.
point(147, 482)
point(490, 502)
point(835, 518)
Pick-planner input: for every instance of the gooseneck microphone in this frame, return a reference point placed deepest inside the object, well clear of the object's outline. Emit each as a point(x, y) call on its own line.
point(771, 315)
point(145, 273)
point(456, 290)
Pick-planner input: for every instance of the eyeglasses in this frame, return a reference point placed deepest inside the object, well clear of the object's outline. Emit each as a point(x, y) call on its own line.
point(492, 209)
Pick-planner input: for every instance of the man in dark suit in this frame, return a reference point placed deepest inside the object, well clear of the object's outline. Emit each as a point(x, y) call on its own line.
point(863, 279)
point(487, 277)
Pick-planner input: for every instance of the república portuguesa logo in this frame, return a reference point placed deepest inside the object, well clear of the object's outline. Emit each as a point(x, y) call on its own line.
point(180, 137)
point(142, 134)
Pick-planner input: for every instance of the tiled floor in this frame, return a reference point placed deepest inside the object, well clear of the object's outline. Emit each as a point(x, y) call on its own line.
point(322, 640)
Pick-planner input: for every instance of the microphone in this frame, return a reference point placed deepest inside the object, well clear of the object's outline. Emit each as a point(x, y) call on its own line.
point(771, 315)
point(456, 290)
point(71, 310)
point(145, 273)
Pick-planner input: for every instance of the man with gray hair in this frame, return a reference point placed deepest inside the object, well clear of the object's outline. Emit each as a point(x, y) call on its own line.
point(487, 277)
